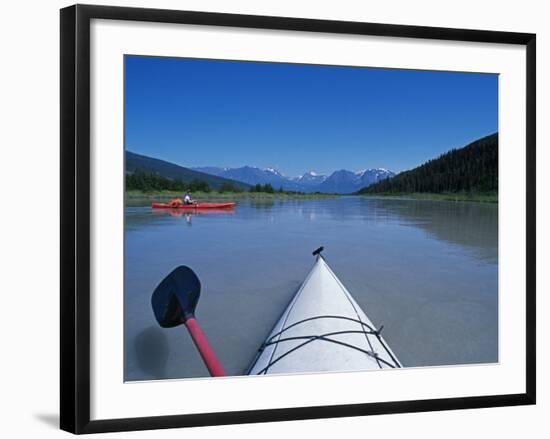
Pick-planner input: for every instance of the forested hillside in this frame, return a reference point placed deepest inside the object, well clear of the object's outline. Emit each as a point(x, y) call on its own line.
point(473, 168)
point(147, 173)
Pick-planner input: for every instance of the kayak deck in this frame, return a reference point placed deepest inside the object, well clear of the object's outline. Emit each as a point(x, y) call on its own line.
point(193, 206)
point(323, 329)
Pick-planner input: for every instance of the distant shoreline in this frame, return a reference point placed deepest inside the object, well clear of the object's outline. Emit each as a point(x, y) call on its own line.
point(429, 196)
point(214, 195)
point(219, 196)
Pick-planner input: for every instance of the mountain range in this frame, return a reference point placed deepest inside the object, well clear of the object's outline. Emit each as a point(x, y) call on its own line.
point(472, 168)
point(341, 182)
point(242, 178)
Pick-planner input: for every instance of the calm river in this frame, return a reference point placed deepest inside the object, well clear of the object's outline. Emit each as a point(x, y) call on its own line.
point(426, 270)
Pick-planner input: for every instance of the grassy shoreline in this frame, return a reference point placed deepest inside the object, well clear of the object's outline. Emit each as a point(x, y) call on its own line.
point(429, 196)
point(213, 195)
point(228, 196)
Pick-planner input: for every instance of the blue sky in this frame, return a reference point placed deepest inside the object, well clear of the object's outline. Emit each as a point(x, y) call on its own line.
point(298, 118)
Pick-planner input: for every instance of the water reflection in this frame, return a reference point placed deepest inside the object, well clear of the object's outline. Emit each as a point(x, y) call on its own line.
point(261, 204)
point(178, 213)
point(470, 225)
point(473, 226)
point(151, 352)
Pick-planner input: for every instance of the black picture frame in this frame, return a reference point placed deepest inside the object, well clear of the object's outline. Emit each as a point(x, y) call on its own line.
point(75, 217)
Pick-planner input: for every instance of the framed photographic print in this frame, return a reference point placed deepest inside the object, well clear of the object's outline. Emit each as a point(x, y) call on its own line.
point(268, 218)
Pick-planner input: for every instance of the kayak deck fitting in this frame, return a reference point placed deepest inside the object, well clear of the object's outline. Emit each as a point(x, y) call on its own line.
point(323, 329)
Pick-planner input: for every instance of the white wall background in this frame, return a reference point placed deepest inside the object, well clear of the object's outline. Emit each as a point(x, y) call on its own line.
point(29, 236)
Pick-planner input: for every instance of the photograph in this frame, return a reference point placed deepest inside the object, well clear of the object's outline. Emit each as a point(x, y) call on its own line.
point(285, 218)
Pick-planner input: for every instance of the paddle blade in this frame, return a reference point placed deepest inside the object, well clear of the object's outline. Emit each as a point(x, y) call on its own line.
point(175, 298)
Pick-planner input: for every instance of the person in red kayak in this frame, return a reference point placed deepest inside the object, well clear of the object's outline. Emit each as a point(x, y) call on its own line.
point(187, 199)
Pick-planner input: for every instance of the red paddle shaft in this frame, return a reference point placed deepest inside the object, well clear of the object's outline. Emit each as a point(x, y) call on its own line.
point(207, 353)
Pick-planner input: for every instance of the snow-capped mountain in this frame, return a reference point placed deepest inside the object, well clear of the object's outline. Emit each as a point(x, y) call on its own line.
point(342, 181)
point(310, 178)
point(345, 182)
point(253, 175)
point(273, 171)
point(371, 176)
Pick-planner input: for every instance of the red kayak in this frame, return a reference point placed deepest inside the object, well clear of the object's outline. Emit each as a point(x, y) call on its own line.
point(198, 206)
